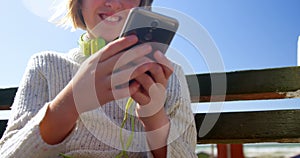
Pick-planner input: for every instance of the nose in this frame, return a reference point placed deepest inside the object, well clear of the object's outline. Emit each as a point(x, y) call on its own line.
point(114, 4)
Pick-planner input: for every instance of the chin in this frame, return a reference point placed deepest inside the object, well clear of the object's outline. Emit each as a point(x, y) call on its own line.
point(108, 33)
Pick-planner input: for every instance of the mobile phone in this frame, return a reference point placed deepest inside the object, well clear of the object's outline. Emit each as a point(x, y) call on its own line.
point(154, 28)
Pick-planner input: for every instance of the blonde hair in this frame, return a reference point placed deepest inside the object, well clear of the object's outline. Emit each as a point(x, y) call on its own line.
point(73, 15)
point(69, 14)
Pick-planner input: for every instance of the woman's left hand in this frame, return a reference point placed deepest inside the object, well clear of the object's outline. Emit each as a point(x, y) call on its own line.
point(151, 96)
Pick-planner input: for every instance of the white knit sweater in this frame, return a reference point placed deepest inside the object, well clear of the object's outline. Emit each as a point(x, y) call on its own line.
point(97, 132)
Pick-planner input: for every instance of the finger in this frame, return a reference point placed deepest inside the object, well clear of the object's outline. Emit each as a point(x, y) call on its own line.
point(123, 76)
point(121, 59)
point(115, 47)
point(165, 62)
point(126, 91)
point(151, 104)
point(140, 97)
point(146, 81)
point(157, 73)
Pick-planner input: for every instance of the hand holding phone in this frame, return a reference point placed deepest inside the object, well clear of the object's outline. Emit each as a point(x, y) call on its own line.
point(150, 27)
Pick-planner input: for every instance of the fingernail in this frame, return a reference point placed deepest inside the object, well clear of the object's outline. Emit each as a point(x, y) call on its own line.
point(132, 38)
point(158, 53)
point(146, 47)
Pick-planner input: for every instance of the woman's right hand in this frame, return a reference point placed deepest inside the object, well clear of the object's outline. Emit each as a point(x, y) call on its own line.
point(102, 76)
point(96, 82)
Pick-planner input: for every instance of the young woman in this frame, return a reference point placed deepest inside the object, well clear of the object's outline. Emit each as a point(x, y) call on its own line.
point(111, 102)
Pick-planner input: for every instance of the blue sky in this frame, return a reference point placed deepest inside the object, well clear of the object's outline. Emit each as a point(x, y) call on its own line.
point(250, 34)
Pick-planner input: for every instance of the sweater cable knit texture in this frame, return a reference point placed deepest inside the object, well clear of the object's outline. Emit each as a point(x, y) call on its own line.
point(97, 132)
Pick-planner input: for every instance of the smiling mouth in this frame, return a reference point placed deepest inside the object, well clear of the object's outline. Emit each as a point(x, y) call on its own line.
point(111, 19)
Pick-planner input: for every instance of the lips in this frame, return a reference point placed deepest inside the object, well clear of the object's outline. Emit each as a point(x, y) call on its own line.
point(111, 18)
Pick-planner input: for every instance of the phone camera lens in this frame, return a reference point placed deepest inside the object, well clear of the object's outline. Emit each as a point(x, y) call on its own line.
point(154, 24)
point(148, 37)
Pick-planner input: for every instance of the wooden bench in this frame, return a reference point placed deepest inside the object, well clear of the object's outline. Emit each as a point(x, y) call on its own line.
point(235, 127)
point(257, 126)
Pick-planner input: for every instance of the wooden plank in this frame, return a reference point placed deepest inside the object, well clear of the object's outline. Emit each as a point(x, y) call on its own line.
point(274, 83)
point(3, 124)
point(246, 127)
point(6, 97)
point(4, 116)
point(251, 127)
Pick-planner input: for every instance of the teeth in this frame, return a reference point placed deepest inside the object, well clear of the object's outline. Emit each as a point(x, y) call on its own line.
point(112, 19)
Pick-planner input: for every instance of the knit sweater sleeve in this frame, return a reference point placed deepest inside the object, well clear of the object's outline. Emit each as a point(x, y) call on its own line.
point(22, 136)
point(182, 138)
